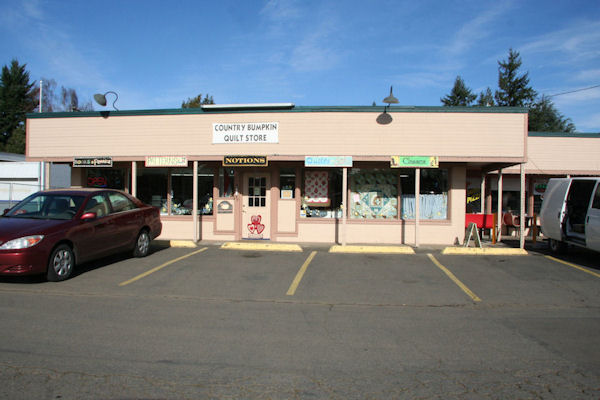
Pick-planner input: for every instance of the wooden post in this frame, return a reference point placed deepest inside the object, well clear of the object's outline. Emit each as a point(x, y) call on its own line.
point(494, 228)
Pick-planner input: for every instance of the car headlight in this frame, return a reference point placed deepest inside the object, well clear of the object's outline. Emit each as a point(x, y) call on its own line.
point(22, 243)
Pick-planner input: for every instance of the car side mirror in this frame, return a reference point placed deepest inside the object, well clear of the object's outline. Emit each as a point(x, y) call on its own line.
point(89, 215)
point(6, 210)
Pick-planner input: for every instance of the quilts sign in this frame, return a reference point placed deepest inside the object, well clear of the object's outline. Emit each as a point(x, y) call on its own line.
point(245, 133)
point(328, 161)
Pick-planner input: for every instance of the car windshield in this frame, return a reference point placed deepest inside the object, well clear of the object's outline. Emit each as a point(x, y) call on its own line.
point(47, 206)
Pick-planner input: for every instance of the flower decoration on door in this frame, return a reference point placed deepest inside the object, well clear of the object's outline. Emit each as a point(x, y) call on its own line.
point(255, 227)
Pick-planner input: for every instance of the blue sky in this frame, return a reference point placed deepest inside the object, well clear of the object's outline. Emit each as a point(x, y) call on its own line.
point(155, 54)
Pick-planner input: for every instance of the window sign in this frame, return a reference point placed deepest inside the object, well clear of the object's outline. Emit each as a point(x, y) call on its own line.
point(414, 162)
point(328, 161)
point(246, 132)
point(166, 161)
point(92, 162)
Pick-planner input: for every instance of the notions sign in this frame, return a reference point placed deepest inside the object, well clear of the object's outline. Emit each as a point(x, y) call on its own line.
point(166, 161)
point(245, 161)
point(246, 132)
point(414, 162)
point(92, 162)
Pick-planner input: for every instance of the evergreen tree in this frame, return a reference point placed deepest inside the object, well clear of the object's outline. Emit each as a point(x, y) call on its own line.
point(197, 101)
point(513, 89)
point(544, 117)
point(460, 95)
point(17, 98)
point(486, 99)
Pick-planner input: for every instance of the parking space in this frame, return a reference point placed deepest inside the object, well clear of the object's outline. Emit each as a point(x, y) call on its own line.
point(315, 275)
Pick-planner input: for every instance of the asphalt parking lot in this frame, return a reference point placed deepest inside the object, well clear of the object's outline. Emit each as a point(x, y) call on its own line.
point(210, 322)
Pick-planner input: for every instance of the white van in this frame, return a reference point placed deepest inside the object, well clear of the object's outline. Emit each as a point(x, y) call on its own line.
point(571, 213)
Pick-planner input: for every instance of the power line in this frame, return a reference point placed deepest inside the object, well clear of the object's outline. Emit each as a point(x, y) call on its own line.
point(573, 91)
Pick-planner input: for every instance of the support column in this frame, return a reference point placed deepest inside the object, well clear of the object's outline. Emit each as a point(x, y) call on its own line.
point(482, 197)
point(134, 178)
point(522, 217)
point(499, 208)
point(417, 204)
point(47, 175)
point(344, 203)
point(195, 202)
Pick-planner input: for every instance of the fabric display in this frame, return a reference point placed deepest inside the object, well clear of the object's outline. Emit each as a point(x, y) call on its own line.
point(316, 188)
point(374, 194)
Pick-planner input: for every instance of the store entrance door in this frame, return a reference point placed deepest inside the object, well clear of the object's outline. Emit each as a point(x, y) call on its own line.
point(256, 206)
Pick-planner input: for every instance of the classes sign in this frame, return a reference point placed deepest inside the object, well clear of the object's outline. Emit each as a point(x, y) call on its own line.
point(92, 161)
point(245, 161)
point(414, 162)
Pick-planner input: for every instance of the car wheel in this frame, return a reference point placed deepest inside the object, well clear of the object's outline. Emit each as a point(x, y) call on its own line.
point(61, 263)
point(142, 244)
point(556, 246)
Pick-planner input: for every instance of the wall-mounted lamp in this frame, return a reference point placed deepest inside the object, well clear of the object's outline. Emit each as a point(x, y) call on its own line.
point(384, 118)
point(390, 100)
point(101, 99)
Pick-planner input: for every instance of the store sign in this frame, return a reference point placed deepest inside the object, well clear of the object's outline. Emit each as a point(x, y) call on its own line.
point(166, 161)
point(92, 162)
point(328, 161)
point(246, 132)
point(245, 161)
point(414, 162)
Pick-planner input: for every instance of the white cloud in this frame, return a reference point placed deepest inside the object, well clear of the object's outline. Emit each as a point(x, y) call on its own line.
point(477, 29)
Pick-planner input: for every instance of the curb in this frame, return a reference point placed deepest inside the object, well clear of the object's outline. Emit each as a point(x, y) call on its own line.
point(372, 249)
point(182, 243)
point(261, 246)
point(485, 251)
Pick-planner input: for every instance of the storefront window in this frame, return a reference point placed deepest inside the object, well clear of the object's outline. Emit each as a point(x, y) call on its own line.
point(322, 193)
point(433, 199)
point(206, 178)
point(182, 182)
point(226, 182)
point(374, 194)
point(152, 185)
point(110, 178)
point(287, 183)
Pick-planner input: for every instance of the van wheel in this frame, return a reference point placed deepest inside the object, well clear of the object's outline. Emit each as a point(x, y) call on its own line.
point(142, 244)
point(556, 246)
point(60, 264)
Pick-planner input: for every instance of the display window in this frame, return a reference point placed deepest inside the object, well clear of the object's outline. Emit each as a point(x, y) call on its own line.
point(374, 194)
point(153, 185)
point(110, 178)
point(322, 193)
point(287, 183)
point(433, 196)
point(226, 182)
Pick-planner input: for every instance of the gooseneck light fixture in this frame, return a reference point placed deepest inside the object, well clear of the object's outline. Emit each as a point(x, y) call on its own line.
point(384, 118)
point(390, 100)
point(101, 99)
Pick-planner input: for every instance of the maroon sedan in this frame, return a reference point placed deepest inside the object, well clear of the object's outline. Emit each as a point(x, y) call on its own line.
point(53, 230)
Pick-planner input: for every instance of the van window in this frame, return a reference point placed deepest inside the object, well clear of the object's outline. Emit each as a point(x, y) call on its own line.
point(596, 202)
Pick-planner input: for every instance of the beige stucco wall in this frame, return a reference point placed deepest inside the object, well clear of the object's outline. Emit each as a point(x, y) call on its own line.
point(449, 134)
point(561, 156)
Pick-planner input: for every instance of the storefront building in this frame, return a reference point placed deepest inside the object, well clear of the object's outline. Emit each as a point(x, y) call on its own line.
point(290, 174)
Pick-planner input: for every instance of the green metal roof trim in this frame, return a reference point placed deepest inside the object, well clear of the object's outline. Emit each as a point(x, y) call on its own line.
point(296, 109)
point(565, 134)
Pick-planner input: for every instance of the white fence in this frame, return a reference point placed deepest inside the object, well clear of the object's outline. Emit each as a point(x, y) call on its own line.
point(13, 192)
